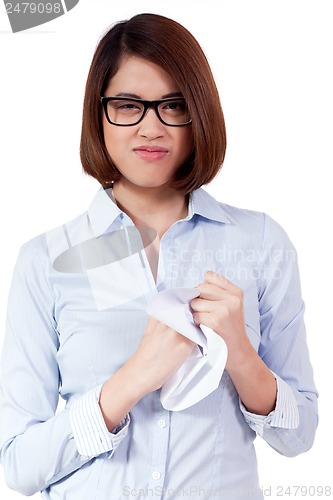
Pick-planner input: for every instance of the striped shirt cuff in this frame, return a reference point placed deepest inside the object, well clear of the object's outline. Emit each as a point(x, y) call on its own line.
point(89, 430)
point(284, 416)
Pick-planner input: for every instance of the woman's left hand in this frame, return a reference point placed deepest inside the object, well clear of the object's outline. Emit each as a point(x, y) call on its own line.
point(220, 307)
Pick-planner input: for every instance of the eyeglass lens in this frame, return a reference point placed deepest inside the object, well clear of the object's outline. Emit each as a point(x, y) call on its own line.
point(129, 112)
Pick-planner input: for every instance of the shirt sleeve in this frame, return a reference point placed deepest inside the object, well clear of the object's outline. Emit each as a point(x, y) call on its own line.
point(38, 445)
point(89, 429)
point(291, 427)
point(285, 415)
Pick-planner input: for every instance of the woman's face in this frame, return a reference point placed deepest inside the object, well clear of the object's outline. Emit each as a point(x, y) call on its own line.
point(149, 153)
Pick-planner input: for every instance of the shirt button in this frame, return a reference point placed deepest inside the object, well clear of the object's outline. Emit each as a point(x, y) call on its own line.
point(156, 475)
point(161, 423)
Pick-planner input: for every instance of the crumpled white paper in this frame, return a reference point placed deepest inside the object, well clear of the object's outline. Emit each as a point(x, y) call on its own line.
point(201, 373)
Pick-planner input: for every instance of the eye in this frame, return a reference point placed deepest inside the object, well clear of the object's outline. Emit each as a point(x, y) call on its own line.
point(129, 106)
point(126, 106)
point(174, 107)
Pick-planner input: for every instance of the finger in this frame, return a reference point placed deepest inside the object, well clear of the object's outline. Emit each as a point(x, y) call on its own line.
point(217, 279)
point(212, 292)
point(205, 318)
point(203, 305)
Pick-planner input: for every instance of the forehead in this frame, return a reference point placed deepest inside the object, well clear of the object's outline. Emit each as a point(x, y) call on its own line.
point(141, 77)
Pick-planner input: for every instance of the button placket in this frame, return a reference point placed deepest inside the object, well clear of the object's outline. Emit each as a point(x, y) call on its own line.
point(159, 452)
point(161, 423)
point(156, 475)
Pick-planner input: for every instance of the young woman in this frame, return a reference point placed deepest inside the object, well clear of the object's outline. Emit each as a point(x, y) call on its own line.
point(153, 133)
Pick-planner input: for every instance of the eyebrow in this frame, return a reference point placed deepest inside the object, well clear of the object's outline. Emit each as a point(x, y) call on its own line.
point(135, 96)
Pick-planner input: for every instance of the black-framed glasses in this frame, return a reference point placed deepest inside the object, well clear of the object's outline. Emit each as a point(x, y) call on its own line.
point(124, 112)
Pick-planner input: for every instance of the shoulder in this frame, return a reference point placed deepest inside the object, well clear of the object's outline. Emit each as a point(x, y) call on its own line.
point(255, 226)
point(42, 249)
point(242, 217)
point(255, 222)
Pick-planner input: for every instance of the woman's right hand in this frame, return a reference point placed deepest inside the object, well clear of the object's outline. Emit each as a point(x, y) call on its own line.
point(161, 352)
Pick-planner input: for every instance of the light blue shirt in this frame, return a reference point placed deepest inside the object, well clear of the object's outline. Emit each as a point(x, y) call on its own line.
point(74, 320)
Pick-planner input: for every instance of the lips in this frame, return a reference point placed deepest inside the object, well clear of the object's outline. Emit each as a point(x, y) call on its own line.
point(151, 153)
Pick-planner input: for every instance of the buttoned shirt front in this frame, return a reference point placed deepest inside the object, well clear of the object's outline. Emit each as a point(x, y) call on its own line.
point(70, 328)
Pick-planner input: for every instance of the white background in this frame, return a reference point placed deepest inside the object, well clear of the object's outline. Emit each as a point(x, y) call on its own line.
point(272, 61)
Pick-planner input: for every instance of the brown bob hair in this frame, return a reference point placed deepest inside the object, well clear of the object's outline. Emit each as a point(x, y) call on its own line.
point(169, 45)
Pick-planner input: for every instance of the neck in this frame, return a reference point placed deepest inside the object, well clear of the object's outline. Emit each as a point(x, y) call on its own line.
point(157, 208)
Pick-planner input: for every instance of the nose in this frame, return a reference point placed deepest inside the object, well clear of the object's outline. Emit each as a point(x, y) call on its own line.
point(150, 126)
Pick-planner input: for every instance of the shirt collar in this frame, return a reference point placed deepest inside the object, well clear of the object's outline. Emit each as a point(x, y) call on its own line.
point(203, 204)
point(103, 210)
